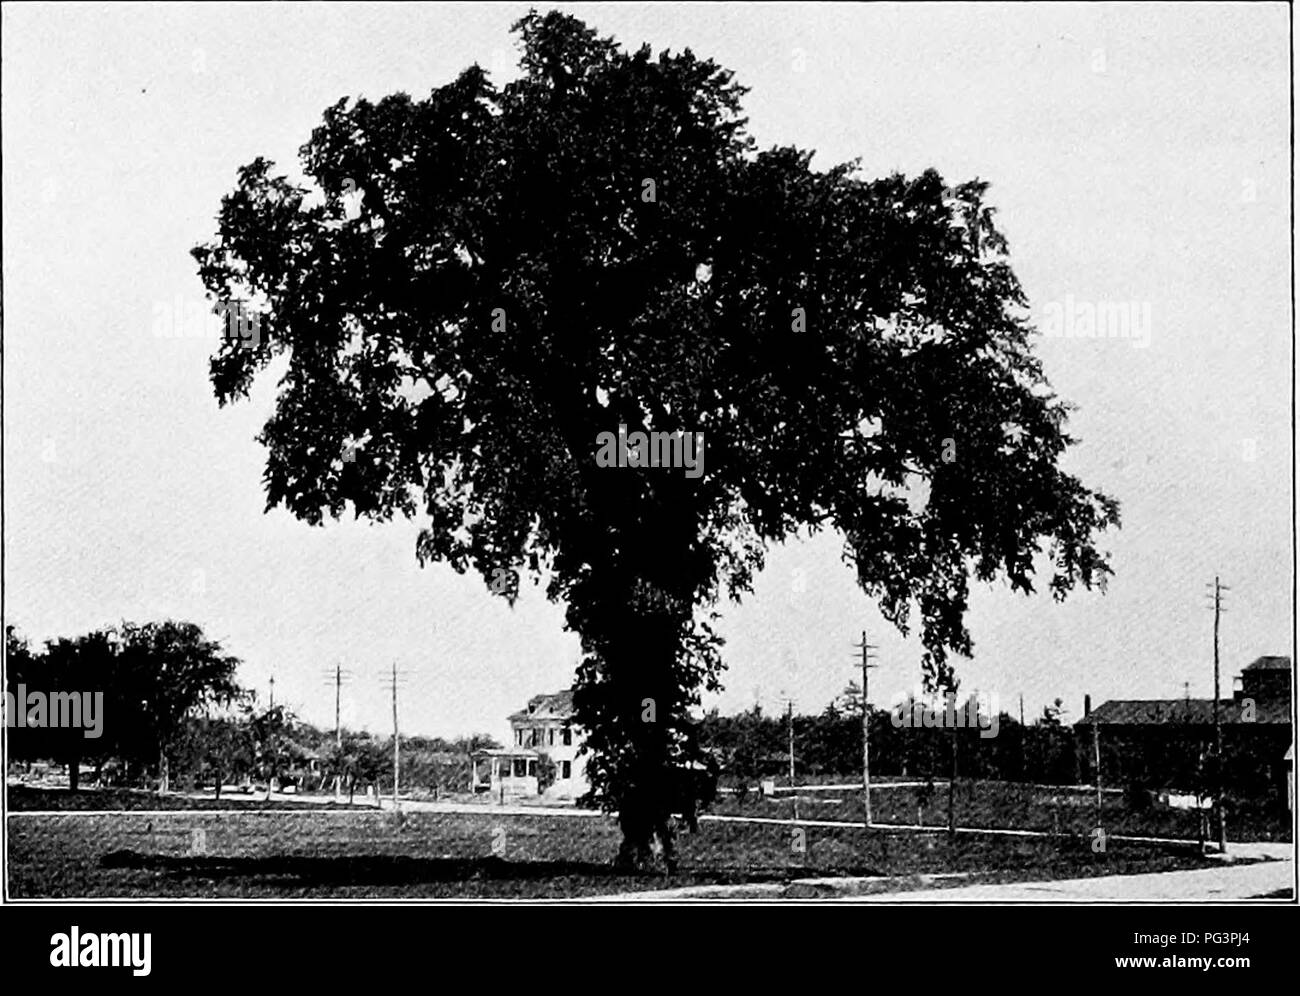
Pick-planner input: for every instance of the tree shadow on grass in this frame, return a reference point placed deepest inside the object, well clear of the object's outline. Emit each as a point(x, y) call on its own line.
point(326, 872)
point(376, 869)
point(90, 799)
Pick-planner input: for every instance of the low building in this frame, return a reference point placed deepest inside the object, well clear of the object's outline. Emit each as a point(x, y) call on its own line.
point(1162, 744)
point(507, 773)
point(542, 734)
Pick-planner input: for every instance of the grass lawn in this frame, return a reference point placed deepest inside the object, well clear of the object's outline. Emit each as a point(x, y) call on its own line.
point(25, 798)
point(1010, 805)
point(367, 854)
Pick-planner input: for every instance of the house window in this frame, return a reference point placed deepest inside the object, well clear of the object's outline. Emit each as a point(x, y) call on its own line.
point(550, 737)
point(568, 737)
point(519, 737)
point(566, 769)
point(532, 769)
point(520, 767)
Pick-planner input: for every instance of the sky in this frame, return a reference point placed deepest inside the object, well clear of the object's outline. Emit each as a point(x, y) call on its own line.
point(1138, 158)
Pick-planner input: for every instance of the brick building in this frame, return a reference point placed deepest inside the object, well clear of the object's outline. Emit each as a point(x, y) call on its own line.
point(1162, 743)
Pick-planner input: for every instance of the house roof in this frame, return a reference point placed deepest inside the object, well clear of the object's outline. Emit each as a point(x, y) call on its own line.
point(556, 705)
point(506, 752)
point(1193, 712)
point(1270, 664)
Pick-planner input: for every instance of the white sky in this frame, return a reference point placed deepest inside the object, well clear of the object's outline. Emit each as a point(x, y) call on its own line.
point(1137, 154)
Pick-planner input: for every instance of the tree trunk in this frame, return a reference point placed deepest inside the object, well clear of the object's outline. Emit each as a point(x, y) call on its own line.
point(952, 790)
point(640, 669)
point(642, 699)
point(627, 684)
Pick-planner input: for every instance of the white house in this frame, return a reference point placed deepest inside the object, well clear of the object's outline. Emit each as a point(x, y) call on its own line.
point(544, 727)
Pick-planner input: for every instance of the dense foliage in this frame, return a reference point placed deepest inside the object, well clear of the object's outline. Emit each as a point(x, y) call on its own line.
point(475, 286)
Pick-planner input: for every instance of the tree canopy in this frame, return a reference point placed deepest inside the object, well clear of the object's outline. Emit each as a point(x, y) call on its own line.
point(472, 287)
point(150, 677)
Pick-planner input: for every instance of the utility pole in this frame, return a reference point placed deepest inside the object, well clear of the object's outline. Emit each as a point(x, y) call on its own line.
point(1022, 736)
point(865, 649)
point(338, 730)
point(950, 694)
point(270, 775)
point(338, 694)
point(397, 757)
point(397, 677)
point(1219, 589)
point(1096, 764)
point(336, 678)
point(789, 719)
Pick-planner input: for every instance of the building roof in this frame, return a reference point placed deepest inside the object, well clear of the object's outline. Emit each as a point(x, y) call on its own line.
point(1270, 664)
point(506, 752)
point(557, 705)
point(1192, 712)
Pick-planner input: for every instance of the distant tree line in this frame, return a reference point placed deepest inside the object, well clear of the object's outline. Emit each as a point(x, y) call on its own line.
point(754, 745)
point(153, 679)
point(274, 747)
point(172, 715)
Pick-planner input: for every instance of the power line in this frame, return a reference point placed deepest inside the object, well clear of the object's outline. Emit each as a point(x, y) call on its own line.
point(789, 719)
point(1219, 589)
point(394, 679)
point(338, 676)
point(337, 679)
point(866, 649)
